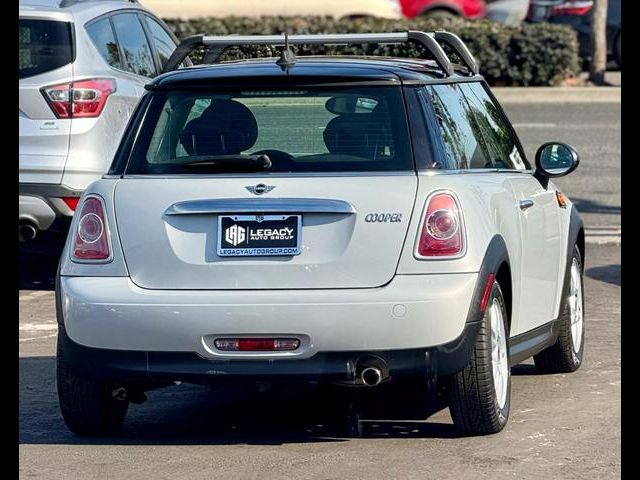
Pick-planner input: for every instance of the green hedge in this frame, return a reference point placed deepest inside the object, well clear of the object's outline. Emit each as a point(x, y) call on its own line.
point(532, 54)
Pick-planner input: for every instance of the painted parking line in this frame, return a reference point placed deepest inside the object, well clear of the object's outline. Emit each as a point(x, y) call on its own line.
point(38, 327)
point(603, 235)
point(534, 125)
point(42, 337)
point(35, 294)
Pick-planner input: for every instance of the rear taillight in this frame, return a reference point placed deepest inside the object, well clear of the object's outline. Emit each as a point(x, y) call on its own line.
point(82, 99)
point(572, 8)
point(91, 236)
point(442, 230)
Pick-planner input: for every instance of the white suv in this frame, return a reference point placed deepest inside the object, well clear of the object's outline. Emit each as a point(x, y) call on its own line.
point(325, 219)
point(83, 66)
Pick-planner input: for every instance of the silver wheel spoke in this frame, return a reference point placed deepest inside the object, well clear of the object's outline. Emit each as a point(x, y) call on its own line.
point(499, 360)
point(575, 306)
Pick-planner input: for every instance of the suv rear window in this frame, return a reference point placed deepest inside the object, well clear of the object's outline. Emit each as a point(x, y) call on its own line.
point(336, 129)
point(44, 45)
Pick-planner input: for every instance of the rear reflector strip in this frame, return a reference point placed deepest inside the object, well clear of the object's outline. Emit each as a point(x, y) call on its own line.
point(256, 344)
point(71, 202)
point(487, 291)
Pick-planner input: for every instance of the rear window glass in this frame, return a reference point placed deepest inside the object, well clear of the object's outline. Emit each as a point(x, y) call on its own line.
point(310, 130)
point(44, 45)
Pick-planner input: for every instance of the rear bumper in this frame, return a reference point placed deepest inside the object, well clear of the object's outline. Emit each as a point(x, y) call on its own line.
point(418, 324)
point(159, 367)
point(42, 205)
point(412, 311)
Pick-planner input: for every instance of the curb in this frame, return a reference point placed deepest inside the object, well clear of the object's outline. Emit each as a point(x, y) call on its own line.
point(557, 94)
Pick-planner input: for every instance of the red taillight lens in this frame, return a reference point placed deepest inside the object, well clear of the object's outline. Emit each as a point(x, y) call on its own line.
point(256, 344)
point(572, 8)
point(85, 98)
point(71, 202)
point(91, 238)
point(442, 231)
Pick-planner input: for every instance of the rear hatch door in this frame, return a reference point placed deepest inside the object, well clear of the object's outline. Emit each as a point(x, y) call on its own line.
point(353, 230)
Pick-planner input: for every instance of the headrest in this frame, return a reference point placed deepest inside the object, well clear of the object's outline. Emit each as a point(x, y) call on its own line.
point(225, 127)
point(358, 134)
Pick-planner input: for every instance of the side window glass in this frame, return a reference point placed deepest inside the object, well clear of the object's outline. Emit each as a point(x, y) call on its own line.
point(101, 35)
point(162, 41)
point(491, 127)
point(135, 48)
point(456, 128)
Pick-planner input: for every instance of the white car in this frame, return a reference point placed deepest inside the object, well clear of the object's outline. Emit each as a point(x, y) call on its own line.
point(353, 220)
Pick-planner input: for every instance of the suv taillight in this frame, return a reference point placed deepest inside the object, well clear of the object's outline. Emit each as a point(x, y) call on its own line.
point(82, 99)
point(442, 229)
point(572, 8)
point(91, 236)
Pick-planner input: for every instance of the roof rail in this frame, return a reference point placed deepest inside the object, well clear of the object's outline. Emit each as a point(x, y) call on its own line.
point(70, 3)
point(216, 45)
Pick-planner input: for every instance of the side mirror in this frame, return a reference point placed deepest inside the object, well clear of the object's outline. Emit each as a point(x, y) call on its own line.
point(555, 159)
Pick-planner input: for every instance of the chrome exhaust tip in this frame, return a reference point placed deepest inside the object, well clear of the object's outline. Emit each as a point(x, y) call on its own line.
point(371, 376)
point(27, 231)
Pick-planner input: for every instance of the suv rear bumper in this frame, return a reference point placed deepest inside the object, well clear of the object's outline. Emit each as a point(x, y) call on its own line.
point(42, 205)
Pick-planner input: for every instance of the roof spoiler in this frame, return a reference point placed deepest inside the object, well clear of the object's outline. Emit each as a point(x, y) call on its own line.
point(431, 41)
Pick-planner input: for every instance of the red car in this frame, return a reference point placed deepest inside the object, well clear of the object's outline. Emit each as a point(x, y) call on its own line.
point(443, 8)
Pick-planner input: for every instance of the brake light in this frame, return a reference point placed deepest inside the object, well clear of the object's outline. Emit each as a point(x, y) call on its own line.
point(441, 232)
point(91, 238)
point(82, 99)
point(256, 344)
point(71, 202)
point(572, 8)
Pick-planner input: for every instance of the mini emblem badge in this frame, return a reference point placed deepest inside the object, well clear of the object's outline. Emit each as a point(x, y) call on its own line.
point(260, 188)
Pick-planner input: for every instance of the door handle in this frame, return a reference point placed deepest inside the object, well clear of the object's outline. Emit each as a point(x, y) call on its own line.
point(525, 204)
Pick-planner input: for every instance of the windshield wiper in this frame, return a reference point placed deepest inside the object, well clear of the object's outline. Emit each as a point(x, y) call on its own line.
point(230, 162)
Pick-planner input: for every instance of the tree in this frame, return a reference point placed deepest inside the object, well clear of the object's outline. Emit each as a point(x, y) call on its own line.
point(598, 42)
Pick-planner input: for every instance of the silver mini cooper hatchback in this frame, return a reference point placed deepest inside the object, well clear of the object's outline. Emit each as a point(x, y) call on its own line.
point(344, 220)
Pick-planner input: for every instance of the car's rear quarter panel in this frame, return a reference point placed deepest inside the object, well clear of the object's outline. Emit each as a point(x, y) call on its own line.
point(488, 209)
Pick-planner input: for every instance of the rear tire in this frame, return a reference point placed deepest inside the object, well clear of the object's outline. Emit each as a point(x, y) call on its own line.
point(480, 395)
point(566, 354)
point(86, 403)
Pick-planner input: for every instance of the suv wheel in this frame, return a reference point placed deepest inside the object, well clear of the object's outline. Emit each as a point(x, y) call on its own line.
point(480, 395)
point(87, 406)
point(566, 354)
